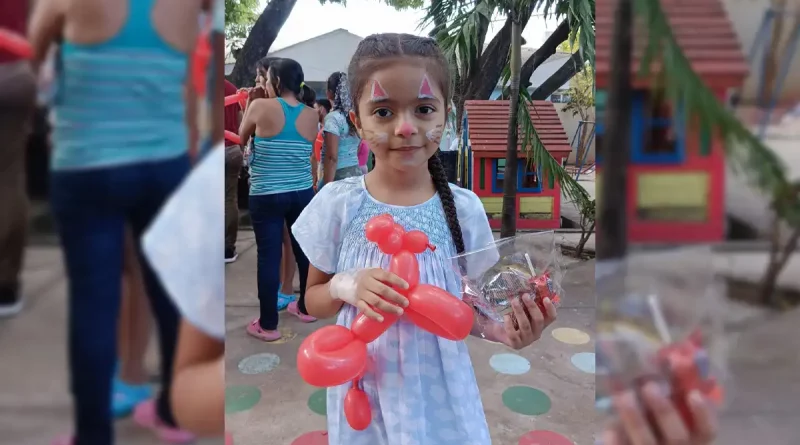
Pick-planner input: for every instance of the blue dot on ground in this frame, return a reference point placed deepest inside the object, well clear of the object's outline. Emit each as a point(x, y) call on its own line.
point(511, 364)
point(259, 363)
point(585, 361)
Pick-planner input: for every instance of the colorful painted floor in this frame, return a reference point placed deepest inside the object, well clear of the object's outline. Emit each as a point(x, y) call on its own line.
point(542, 395)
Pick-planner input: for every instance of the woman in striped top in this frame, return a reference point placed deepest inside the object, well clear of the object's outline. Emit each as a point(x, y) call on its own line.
point(280, 182)
point(121, 147)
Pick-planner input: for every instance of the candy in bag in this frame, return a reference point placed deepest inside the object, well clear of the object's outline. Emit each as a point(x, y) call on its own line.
point(492, 277)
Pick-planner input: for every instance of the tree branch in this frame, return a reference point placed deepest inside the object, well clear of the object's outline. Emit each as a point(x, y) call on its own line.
point(567, 71)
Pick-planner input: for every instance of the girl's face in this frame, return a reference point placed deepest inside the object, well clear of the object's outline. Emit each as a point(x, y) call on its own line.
point(402, 113)
point(261, 78)
point(268, 86)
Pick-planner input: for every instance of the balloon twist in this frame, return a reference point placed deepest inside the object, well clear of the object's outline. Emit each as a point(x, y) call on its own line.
point(335, 355)
point(15, 44)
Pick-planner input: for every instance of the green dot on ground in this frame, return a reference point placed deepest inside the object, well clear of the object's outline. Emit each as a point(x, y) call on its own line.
point(241, 398)
point(526, 400)
point(318, 402)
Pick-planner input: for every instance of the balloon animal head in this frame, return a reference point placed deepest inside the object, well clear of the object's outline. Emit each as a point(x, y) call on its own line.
point(392, 238)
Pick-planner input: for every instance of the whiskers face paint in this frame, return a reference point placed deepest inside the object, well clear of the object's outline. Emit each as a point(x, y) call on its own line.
point(435, 134)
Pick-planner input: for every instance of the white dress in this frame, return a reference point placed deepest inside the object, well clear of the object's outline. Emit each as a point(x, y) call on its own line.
point(422, 388)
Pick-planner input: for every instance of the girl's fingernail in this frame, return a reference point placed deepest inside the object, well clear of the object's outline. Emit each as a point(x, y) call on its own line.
point(628, 399)
point(652, 389)
point(695, 398)
point(380, 318)
point(546, 299)
point(399, 311)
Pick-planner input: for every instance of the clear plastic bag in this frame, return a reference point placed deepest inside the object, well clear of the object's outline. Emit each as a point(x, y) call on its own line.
point(660, 318)
point(494, 276)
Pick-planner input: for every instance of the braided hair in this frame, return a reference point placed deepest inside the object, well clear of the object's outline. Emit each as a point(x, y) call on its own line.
point(379, 50)
point(342, 99)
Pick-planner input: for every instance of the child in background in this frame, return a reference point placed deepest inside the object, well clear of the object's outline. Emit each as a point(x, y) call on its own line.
point(422, 388)
point(363, 155)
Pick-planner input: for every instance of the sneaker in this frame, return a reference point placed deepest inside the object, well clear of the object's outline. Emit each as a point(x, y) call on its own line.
point(231, 255)
point(10, 302)
point(63, 440)
point(294, 310)
point(145, 415)
point(256, 331)
point(126, 397)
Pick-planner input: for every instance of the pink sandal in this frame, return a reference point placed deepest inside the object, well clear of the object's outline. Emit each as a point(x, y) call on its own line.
point(255, 330)
point(294, 310)
point(145, 415)
point(63, 440)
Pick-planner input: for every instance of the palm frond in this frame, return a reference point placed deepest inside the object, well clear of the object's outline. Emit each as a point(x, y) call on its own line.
point(460, 40)
point(683, 86)
point(535, 152)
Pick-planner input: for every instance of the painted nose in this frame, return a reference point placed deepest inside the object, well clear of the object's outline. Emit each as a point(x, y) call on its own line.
point(405, 130)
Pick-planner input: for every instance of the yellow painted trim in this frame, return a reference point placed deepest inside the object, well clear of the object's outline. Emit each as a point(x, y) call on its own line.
point(492, 205)
point(670, 190)
point(536, 204)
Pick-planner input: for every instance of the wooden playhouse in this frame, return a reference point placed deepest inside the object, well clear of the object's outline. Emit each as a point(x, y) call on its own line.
point(676, 181)
point(483, 151)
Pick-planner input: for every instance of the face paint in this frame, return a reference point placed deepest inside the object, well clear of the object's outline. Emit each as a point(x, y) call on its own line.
point(425, 90)
point(378, 93)
point(377, 138)
point(435, 134)
point(405, 130)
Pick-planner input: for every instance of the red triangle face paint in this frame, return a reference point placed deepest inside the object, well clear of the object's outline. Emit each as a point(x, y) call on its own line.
point(378, 92)
point(425, 90)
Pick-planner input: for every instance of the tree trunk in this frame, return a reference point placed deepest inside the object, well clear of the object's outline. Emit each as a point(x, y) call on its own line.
point(260, 39)
point(557, 80)
point(548, 48)
point(585, 234)
point(612, 238)
point(582, 141)
point(778, 258)
point(508, 225)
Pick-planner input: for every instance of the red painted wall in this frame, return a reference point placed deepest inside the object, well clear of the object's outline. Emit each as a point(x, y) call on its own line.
point(485, 190)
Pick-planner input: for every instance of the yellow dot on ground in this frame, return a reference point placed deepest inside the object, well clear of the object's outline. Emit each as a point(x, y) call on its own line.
point(286, 335)
point(571, 336)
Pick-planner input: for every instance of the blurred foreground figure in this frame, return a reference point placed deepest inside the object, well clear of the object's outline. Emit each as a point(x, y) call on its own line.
point(120, 149)
point(17, 105)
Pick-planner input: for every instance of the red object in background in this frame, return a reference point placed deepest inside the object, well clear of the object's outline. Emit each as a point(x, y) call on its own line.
point(231, 114)
point(318, 145)
point(13, 20)
point(14, 44)
point(232, 137)
point(201, 60)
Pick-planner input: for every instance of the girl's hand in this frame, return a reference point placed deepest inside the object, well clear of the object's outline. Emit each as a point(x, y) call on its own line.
point(256, 93)
point(668, 427)
point(374, 291)
point(528, 322)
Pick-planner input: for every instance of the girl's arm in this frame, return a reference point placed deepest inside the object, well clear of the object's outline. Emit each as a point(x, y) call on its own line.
point(198, 388)
point(331, 157)
point(314, 169)
point(319, 302)
point(45, 26)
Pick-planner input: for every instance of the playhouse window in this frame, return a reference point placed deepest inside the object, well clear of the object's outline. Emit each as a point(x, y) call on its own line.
point(656, 137)
point(529, 178)
point(499, 173)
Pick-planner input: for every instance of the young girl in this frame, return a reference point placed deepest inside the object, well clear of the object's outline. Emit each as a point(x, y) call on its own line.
point(341, 140)
point(422, 387)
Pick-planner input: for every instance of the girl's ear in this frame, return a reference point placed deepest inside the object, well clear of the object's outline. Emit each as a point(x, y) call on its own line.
point(354, 119)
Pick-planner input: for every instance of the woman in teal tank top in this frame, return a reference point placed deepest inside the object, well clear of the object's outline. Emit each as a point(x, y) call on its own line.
point(284, 129)
point(120, 149)
point(340, 158)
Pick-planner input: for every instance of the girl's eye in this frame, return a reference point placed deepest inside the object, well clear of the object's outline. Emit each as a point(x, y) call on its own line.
point(382, 112)
point(426, 109)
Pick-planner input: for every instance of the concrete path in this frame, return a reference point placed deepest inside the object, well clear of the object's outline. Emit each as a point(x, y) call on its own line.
point(35, 404)
point(282, 403)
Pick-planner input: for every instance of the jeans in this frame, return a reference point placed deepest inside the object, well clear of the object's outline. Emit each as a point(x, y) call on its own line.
point(92, 208)
point(269, 213)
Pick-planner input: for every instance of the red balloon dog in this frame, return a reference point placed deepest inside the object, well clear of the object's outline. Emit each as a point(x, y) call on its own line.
point(335, 355)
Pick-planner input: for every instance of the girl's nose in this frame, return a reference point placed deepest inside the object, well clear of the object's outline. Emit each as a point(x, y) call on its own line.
point(405, 129)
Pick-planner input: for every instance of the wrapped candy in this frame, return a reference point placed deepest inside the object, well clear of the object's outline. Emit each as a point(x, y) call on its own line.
point(659, 319)
point(494, 276)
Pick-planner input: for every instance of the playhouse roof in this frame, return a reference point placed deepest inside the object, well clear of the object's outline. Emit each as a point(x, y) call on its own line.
point(487, 121)
point(702, 29)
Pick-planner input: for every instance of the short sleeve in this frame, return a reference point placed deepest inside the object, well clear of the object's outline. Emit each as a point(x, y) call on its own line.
point(477, 233)
point(333, 123)
point(186, 250)
point(320, 228)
